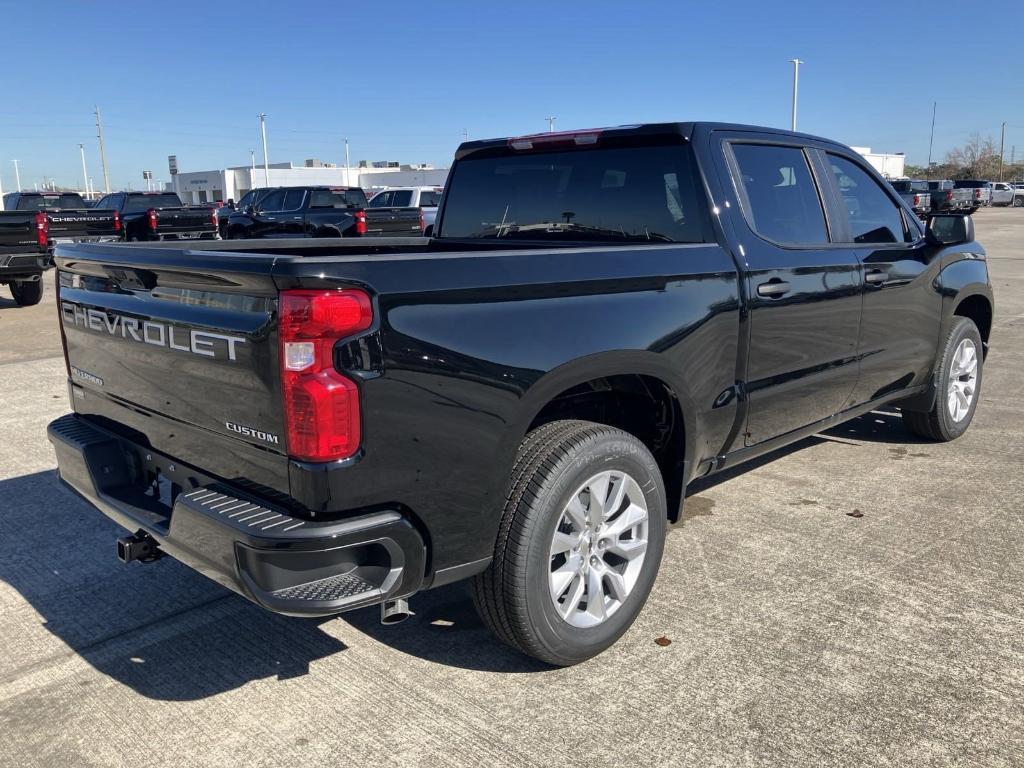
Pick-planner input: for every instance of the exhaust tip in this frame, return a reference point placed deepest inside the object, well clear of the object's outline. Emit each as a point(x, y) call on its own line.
point(394, 611)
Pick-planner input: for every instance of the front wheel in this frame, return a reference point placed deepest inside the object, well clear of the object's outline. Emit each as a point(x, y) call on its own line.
point(26, 293)
point(579, 543)
point(1018, 202)
point(959, 386)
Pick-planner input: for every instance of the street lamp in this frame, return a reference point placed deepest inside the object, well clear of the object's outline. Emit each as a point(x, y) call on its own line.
point(85, 173)
point(551, 124)
point(266, 160)
point(17, 176)
point(796, 80)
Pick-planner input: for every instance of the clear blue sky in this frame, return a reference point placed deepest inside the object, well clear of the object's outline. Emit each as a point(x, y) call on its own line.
point(402, 80)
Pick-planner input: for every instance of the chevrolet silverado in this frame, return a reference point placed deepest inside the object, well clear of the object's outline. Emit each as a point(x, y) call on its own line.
point(599, 318)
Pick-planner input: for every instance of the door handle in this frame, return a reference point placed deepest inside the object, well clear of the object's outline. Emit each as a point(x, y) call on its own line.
point(876, 277)
point(773, 289)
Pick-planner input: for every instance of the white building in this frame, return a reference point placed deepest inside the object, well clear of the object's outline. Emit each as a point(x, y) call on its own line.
point(889, 165)
point(232, 183)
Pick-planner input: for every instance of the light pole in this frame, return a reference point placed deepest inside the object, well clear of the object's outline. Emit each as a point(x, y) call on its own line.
point(796, 82)
point(17, 176)
point(551, 124)
point(348, 180)
point(85, 173)
point(1002, 144)
point(266, 160)
point(931, 139)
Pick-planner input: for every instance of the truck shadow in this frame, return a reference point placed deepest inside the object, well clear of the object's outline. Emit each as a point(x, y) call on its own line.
point(171, 634)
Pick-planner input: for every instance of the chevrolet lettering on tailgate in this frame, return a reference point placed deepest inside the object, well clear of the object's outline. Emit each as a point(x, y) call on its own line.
point(153, 332)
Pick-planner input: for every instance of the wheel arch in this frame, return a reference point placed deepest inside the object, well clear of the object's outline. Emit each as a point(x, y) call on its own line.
point(630, 390)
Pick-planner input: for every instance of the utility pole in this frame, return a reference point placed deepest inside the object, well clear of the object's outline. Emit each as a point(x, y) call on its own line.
point(347, 179)
point(1, 193)
point(266, 160)
point(551, 124)
point(85, 173)
point(103, 151)
point(1003, 141)
point(796, 81)
point(931, 139)
point(17, 176)
point(465, 134)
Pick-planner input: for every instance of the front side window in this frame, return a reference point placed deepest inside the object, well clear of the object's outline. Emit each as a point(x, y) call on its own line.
point(783, 199)
point(872, 215)
point(293, 199)
point(274, 201)
point(644, 194)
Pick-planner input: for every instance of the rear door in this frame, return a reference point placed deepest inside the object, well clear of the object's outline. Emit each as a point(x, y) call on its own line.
point(900, 325)
point(804, 291)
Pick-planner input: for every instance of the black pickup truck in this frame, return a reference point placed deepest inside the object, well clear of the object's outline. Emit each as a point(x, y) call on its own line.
point(288, 212)
point(31, 223)
point(601, 318)
point(154, 216)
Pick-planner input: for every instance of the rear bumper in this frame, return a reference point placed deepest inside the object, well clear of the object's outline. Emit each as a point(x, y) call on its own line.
point(188, 235)
point(15, 266)
point(284, 563)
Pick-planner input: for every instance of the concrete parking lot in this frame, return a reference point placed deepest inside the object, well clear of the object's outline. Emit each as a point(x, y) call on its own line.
point(799, 634)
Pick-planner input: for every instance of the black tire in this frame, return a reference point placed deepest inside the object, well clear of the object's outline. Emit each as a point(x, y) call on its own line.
point(27, 294)
point(1018, 202)
point(513, 596)
point(938, 423)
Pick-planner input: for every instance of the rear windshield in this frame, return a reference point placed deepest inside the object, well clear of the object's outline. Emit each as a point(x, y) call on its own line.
point(49, 202)
point(635, 194)
point(138, 203)
point(337, 198)
point(969, 184)
point(428, 199)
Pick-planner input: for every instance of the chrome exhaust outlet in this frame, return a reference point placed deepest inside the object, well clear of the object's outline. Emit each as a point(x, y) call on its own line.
point(394, 611)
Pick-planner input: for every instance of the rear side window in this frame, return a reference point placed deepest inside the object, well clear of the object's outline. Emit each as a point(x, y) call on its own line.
point(612, 195)
point(783, 199)
point(872, 214)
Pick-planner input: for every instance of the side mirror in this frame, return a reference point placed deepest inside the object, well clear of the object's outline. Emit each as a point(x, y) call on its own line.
point(949, 229)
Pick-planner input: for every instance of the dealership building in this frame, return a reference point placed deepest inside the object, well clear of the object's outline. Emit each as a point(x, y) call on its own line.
point(232, 183)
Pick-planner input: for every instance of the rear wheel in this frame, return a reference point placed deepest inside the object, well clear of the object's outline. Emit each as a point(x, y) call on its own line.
point(579, 544)
point(959, 385)
point(1018, 202)
point(27, 293)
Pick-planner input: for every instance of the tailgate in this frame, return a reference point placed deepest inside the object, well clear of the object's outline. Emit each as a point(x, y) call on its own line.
point(76, 225)
point(181, 347)
point(173, 220)
point(393, 222)
point(18, 231)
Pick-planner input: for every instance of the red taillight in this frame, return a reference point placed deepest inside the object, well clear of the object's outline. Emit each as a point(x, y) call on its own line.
point(917, 199)
point(949, 194)
point(117, 221)
point(213, 218)
point(977, 194)
point(360, 222)
point(321, 405)
point(42, 230)
point(151, 219)
point(423, 223)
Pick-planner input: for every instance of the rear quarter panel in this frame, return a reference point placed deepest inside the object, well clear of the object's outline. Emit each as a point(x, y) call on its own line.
point(470, 347)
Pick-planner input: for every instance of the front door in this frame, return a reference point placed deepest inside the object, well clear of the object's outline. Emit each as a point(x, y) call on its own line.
point(804, 291)
point(900, 326)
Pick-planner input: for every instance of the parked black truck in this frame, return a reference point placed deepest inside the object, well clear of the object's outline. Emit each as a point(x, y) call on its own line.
point(154, 216)
point(522, 399)
point(288, 212)
point(31, 223)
